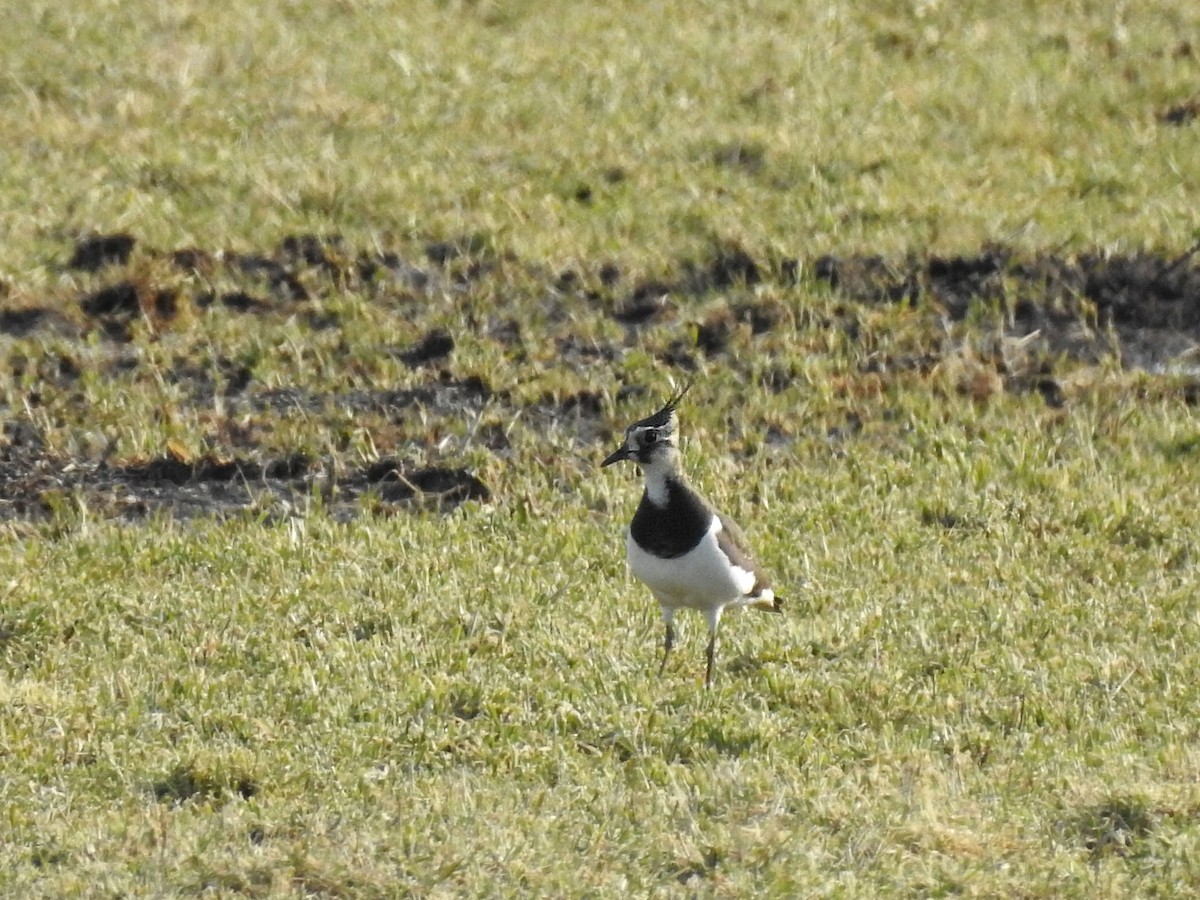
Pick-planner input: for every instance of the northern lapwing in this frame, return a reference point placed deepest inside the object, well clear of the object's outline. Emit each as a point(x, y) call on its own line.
point(690, 555)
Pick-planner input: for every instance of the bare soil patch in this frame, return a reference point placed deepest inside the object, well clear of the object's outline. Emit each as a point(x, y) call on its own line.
point(1140, 307)
point(1149, 303)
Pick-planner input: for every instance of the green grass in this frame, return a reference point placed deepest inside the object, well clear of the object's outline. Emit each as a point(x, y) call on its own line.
point(881, 125)
point(469, 704)
point(985, 680)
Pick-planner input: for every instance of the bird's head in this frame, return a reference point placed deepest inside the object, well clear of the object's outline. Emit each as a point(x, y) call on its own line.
point(652, 439)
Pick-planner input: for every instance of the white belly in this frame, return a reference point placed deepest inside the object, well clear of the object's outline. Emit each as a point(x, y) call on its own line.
point(700, 579)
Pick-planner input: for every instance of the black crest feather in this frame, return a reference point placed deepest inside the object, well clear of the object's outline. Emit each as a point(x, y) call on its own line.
point(663, 416)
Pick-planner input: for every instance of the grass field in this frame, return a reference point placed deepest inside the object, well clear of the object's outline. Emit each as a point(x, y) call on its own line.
point(316, 321)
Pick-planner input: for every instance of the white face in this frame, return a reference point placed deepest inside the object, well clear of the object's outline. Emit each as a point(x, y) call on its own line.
point(649, 441)
point(646, 442)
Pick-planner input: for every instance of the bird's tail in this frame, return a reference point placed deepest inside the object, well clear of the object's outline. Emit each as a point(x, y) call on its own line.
point(768, 602)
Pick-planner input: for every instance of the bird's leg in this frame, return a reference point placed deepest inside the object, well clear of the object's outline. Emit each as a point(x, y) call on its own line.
point(714, 620)
point(668, 643)
point(711, 653)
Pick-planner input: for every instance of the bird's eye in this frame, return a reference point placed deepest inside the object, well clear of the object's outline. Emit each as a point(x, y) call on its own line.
point(650, 437)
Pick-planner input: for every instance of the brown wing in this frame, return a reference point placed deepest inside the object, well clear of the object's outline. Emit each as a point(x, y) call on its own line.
point(734, 545)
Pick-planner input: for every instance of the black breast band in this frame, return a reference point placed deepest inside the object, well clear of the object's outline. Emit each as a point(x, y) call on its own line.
point(672, 530)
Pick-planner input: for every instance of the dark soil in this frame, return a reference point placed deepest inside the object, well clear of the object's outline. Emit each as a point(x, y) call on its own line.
point(435, 347)
point(1142, 308)
point(35, 485)
point(97, 251)
point(403, 482)
point(1182, 113)
point(28, 320)
point(1073, 301)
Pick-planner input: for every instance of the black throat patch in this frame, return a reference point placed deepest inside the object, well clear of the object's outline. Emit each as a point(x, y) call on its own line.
point(672, 530)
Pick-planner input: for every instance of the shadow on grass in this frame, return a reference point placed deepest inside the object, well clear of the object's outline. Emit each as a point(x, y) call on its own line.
point(1116, 827)
point(186, 783)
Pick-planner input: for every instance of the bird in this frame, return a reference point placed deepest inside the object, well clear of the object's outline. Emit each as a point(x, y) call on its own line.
point(690, 555)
